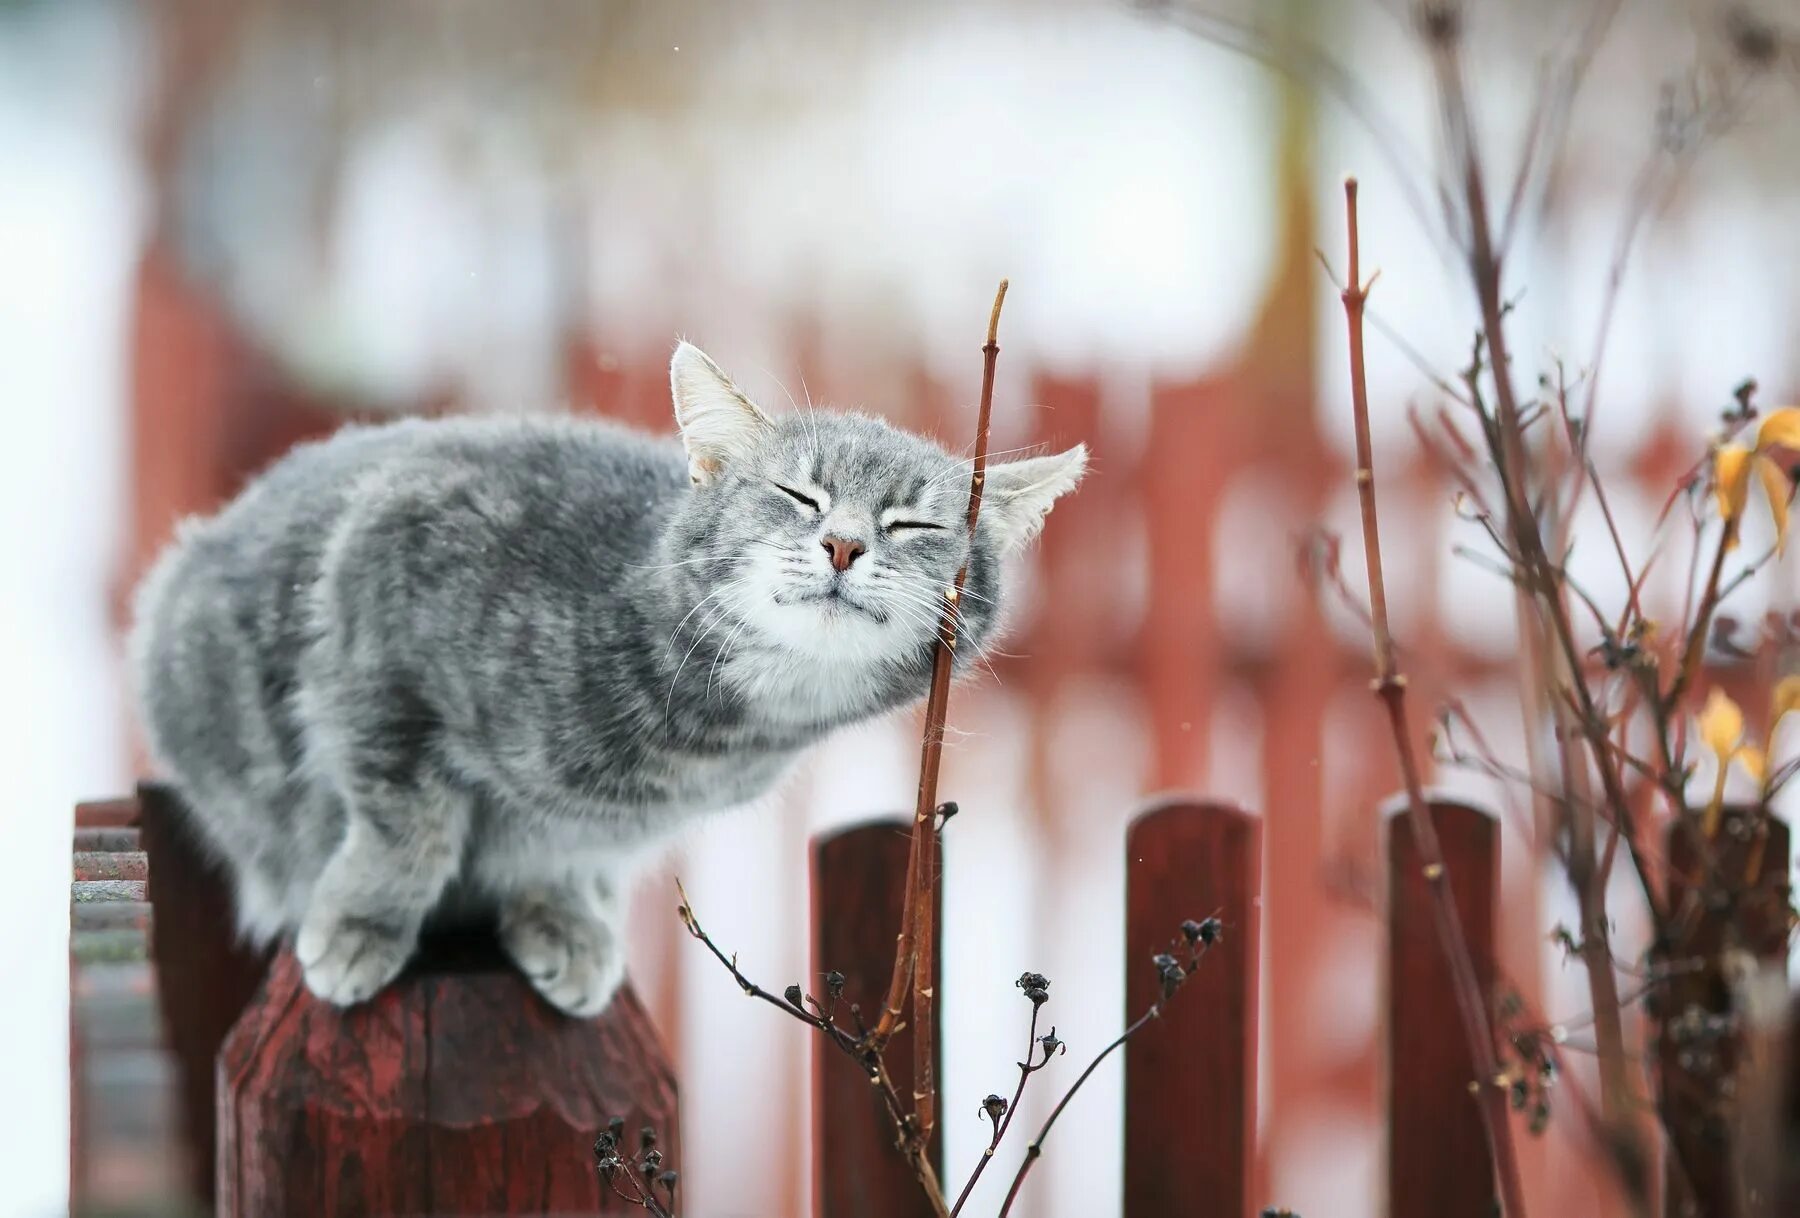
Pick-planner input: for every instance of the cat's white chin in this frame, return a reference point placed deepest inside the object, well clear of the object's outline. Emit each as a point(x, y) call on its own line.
point(817, 661)
point(831, 628)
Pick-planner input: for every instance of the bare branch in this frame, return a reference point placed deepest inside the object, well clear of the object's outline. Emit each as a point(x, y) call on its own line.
point(913, 965)
point(1390, 687)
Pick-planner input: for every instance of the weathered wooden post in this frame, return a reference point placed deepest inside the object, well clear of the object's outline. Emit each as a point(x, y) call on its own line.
point(1438, 1161)
point(858, 887)
point(1190, 1086)
point(457, 1091)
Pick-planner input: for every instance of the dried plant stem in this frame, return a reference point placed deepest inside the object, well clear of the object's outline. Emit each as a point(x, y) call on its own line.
point(1696, 646)
point(914, 956)
point(1616, 1091)
point(1034, 1151)
point(854, 1047)
point(1026, 1070)
point(1174, 974)
point(1390, 688)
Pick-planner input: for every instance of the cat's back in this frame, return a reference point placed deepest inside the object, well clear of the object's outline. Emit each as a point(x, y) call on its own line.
point(224, 614)
point(588, 465)
point(610, 477)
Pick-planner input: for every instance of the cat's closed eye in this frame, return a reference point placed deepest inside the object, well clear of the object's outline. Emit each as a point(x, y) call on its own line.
point(895, 526)
point(797, 496)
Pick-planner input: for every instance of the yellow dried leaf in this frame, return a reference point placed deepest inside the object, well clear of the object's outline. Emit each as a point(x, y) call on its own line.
point(1731, 479)
point(1780, 490)
point(1721, 724)
point(1780, 428)
point(1786, 697)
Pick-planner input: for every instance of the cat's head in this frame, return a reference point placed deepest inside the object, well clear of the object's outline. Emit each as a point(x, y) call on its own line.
point(837, 533)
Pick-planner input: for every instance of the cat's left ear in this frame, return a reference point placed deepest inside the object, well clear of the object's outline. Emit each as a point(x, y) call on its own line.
point(718, 420)
point(1019, 494)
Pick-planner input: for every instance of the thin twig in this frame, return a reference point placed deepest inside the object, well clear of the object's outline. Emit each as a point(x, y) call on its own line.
point(857, 1047)
point(1702, 625)
point(913, 959)
point(1508, 451)
point(1390, 687)
point(1173, 974)
point(1550, 116)
point(615, 1168)
point(1027, 1068)
point(1033, 1151)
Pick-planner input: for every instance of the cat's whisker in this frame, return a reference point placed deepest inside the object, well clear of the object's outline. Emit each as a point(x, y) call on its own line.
point(724, 651)
point(935, 602)
point(763, 542)
point(965, 465)
point(925, 626)
point(968, 462)
point(676, 633)
point(705, 630)
point(691, 562)
point(929, 609)
point(782, 385)
point(937, 590)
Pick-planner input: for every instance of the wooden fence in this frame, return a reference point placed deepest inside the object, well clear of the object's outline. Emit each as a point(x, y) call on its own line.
point(204, 1077)
point(1190, 1080)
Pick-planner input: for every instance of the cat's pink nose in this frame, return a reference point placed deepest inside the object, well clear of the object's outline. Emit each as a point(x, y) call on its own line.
point(843, 551)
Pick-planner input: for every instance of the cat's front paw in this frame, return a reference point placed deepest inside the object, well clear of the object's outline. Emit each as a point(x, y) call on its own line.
point(348, 959)
point(571, 957)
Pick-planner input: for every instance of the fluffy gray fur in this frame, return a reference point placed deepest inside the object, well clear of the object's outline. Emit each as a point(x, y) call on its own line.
point(435, 671)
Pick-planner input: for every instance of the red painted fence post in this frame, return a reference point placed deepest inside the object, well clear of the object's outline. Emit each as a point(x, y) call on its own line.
point(1190, 1083)
point(858, 888)
point(1438, 1162)
point(1741, 906)
point(455, 1091)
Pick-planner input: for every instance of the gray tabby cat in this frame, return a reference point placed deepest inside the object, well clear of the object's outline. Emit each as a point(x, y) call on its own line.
point(475, 669)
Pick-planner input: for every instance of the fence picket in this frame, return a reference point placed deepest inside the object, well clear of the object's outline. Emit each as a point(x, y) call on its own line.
point(858, 887)
point(1438, 1161)
point(1190, 1082)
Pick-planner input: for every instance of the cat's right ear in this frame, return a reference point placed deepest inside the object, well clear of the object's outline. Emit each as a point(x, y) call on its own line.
point(718, 420)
